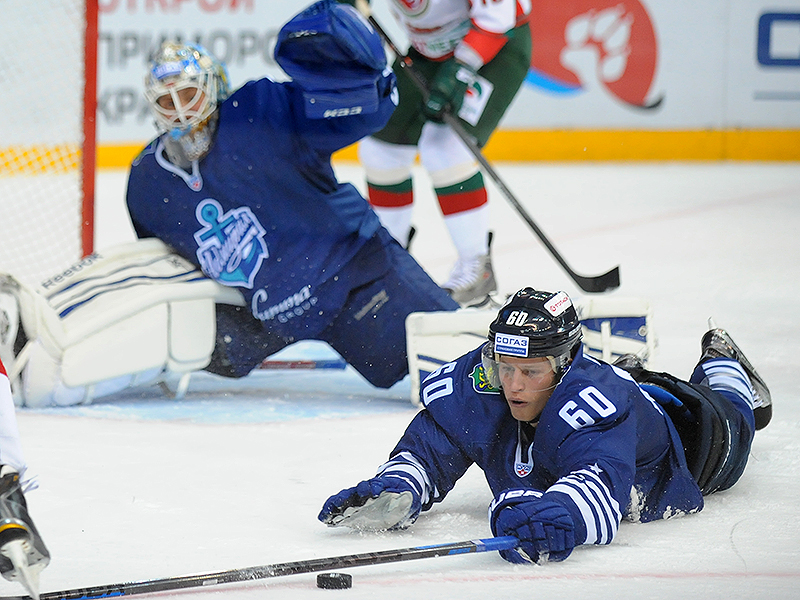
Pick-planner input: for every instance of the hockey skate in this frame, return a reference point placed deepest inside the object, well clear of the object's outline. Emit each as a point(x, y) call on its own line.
point(472, 281)
point(22, 553)
point(630, 363)
point(717, 343)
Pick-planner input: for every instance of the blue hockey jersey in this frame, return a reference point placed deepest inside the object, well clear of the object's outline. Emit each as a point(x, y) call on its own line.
point(263, 211)
point(602, 447)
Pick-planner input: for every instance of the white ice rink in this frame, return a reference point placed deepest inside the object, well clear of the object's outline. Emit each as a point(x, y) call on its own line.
point(143, 487)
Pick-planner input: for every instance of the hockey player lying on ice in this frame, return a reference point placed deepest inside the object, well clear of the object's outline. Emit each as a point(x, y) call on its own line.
point(569, 445)
point(241, 186)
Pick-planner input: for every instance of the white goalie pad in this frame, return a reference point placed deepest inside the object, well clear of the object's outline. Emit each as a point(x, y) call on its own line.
point(119, 318)
point(436, 338)
point(611, 327)
point(614, 326)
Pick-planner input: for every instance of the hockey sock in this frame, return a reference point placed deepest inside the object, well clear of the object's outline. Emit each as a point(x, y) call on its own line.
point(393, 204)
point(466, 214)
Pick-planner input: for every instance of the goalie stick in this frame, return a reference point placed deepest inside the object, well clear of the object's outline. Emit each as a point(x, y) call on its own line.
point(592, 284)
point(278, 570)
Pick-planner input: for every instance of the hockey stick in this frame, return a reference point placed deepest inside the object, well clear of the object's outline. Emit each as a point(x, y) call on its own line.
point(328, 363)
point(277, 570)
point(592, 284)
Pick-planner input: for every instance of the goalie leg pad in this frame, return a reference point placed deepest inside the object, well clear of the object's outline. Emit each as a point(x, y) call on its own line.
point(134, 313)
point(436, 338)
point(613, 327)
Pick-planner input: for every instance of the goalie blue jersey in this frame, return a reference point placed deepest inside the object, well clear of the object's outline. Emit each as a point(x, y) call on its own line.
point(263, 211)
point(602, 447)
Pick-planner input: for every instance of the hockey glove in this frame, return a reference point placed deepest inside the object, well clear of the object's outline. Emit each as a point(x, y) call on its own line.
point(448, 89)
point(378, 504)
point(544, 528)
point(330, 46)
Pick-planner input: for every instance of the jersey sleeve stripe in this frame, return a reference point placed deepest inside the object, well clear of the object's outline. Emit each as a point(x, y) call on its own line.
point(407, 466)
point(600, 512)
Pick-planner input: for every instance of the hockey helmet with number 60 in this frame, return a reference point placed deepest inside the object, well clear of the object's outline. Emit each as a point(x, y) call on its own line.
point(533, 324)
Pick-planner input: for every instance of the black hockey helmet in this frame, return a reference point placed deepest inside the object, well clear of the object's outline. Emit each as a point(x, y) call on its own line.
point(531, 324)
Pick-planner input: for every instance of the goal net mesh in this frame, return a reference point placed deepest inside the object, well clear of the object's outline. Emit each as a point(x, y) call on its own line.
point(42, 145)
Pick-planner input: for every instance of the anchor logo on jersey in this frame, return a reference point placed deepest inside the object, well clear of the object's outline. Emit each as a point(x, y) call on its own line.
point(230, 246)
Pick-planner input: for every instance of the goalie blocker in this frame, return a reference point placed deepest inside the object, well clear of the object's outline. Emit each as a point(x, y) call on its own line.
point(133, 315)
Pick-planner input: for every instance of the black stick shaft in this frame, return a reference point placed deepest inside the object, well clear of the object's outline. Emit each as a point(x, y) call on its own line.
point(593, 284)
point(277, 570)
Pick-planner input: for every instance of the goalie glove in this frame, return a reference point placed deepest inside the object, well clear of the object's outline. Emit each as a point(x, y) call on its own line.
point(544, 528)
point(448, 88)
point(335, 55)
point(378, 504)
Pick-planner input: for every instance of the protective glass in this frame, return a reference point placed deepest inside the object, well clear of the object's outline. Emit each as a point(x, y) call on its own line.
point(539, 375)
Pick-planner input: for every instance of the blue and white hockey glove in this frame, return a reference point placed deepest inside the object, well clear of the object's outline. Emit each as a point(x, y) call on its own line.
point(544, 528)
point(378, 504)
point(335, 55)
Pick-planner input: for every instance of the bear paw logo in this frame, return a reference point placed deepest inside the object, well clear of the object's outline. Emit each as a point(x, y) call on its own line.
point(598, 45)
point(595, 45)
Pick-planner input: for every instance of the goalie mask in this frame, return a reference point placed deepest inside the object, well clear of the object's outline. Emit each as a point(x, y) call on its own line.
point(184, 86)
point(533, 324)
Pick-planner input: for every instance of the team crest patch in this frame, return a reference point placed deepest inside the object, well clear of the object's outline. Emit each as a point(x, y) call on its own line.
point(523, 461)
point(230, 246)
point(480, 383)
point(523, 469)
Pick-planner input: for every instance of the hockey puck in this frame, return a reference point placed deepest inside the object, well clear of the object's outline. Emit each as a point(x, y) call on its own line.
point(334, 581)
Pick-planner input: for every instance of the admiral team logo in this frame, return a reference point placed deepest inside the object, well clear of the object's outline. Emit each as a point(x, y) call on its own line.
point(585, 45)
point(231, 246)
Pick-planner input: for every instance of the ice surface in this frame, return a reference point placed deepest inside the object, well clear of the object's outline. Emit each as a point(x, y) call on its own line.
point(233, 475)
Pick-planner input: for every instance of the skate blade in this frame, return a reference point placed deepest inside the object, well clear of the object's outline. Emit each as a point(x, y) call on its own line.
point(26, 574)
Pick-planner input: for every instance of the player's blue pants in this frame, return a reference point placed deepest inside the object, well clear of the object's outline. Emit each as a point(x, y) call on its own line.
point(368, 330)
point(713, 414)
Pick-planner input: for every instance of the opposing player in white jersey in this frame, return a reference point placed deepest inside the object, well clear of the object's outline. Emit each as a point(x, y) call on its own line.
point(22, 553)
point(474, 56)
point(569, 445)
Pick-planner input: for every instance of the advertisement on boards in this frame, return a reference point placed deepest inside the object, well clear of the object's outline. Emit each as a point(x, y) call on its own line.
point(645, 65)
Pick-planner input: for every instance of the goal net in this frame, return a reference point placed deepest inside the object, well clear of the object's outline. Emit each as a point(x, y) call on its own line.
point(48, 57)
